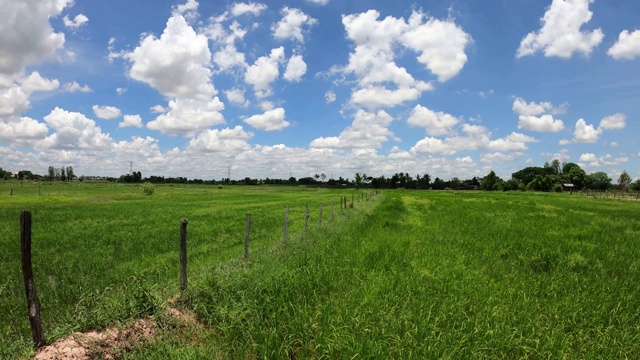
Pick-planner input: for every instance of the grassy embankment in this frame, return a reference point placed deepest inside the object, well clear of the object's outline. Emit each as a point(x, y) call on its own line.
point(421, 275)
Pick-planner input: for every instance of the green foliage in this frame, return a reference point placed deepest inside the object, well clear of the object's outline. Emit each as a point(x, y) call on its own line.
point(148, 188)
point(624, 180)
point(491, 182)
point(598, 180)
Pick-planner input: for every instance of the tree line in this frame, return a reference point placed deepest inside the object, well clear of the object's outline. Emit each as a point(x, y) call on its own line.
point(549, 177)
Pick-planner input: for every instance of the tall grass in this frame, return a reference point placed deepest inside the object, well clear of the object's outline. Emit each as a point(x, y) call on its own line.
point(105, 253)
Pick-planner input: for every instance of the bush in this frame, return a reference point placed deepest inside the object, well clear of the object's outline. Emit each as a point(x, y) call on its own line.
point(148, 188)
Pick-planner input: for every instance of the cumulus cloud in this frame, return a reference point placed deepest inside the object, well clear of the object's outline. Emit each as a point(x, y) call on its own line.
point(560, 34)
point(13, 101)
point(528, 118)
point(591, 160)
point(76, 22)
point(585, 133)
point(22, 130)
point(319, 2)
point(369, 130)
point(435, 123)
point(218, 141)
point(264, 71)
point(187, 116)
point(236, 97)
point(35, 82)
point(270, 120)
point(296, 68)
point(329, 97)
point(227, 55)
point(74, 86)
point(131, 121)
point(440, 43)
point(26, 36)
point(176, 64)
point(291, 25)
point(381, 81)
point(73, 131)
point(252, 8)
point(500, 157)
point(106, 112)
point(613, 122)
point(627, 47)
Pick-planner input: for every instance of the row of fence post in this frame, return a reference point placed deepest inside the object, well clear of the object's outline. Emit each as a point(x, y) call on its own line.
point(33, 306)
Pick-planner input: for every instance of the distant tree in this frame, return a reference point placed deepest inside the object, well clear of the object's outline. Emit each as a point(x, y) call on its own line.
point(316, 176)
point(25, 175)
point(52, 173)
point(598, 180)
point(636, 185)
point(292, 180)
point(526, 175)
point(4, 174)
point(63, 177)
point(566, 167)
point(575, 176)
point(438, 184)
point(624, 180)
point(555, 165)
point(70, 174)
point(358, 180)
point(490, 182)
point(541, 183)
point(323, 176)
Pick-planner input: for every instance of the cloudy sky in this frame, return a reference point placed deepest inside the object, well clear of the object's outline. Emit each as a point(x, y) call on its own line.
point(299, 87)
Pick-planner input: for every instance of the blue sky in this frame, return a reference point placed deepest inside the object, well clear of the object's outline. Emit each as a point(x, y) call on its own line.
point(280, 88)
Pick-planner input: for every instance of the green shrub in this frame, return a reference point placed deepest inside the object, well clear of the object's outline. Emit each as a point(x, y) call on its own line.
point(148, 188)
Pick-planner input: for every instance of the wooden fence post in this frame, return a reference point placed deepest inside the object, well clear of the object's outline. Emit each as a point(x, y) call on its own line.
point(246, 237)
point(286, 223)
point(351, 200)
point(11, 191)
point(183, 254)
point(33, 306)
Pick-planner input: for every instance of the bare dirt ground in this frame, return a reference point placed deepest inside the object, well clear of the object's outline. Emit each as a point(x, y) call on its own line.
point(110, 343)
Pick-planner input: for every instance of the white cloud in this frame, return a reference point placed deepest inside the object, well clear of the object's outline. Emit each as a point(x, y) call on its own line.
point(131, 121)
point(270, 120)
point(189, 10)
point(74, 86)
point(435, 123)
point(441, 44)
point(76, 23)
point(381, 81)
point(319, 2)
point(266, 105)
point(431, 145)
point(329, 97)
point(627, 47)
point(121, 91)
point(13, 101)
point(560, 34)
point(528, 118)
point(106, 112)
point(21, 130)
point(369, 130)
point(220, 141)
point(143, 149)
point(264, 71)
point(290, 26)
point(236, 97)
point(35, 82)
point(187, 116)
point(296, 68)
point(585, 133)
point(252, 8)
point(376, 96)
point(588, 157)
point(514, 141)
point(613, 122)
point(499, 157)
point(26, 36)
point(158, 109)
point(176, 64)
point(544, 123)
point(74, 131)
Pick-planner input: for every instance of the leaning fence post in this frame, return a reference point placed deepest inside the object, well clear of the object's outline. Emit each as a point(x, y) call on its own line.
point(246, 237)
point(306, 217)
point(183, 254)
point(286, 223)
point(33, 306)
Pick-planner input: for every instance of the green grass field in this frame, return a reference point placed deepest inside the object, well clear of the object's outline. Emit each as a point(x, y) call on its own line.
point(412, 274)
